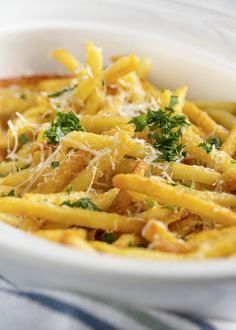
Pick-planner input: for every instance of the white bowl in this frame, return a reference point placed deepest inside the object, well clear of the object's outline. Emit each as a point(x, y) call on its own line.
point(207, 287)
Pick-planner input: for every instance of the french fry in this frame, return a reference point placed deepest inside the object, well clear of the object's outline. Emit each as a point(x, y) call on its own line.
point(94, 60)
point(177, 171)
point(224, 118)
point(13, 166)
point(181, 94)
point(71, 216)
point(136, 252)
point(144, 67)
point(221, 105)
point(120, 68)
point(11, 220)
point(58, 235)
point(177, 196)
point(102, 201)
point(17, 179)
point(224, 199)
point(162, 239)
point(11, 104)
point(65, 58)
point(132, 84)
point(158, 212)
point(75, 238)
point(229, 145)
point(100, 124)
point(150, 89)
point(85, 141)
point(29, 224)
point(129, 240)
point(121, 202)
point(164, 99)
point(64, 173)
point(140, 168)
point(28, 82)
point(189, 226)
point(202, 119)
point(92, 103)
point(188, 173)
point(53, 85)
point(84, 88)
point(215, 243)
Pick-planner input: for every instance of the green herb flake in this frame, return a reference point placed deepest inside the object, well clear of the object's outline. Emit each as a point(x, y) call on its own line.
point(233, 162)
point(65, 123)
point(169, 206)
point(11, 193)
point(23, 96)
point(173, 101)
point(23, 139)
point(150, 202)
point(55, 164)
point(84, 203)
point(108, 238)
point(198, 226)
point(209, 143)
point(62, 91)
point(165, 131)
point(69, 190)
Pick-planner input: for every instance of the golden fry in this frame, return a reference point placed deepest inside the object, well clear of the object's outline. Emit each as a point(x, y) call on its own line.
point(177, 196)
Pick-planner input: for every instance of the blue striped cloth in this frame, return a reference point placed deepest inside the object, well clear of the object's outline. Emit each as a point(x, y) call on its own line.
point(49, 310)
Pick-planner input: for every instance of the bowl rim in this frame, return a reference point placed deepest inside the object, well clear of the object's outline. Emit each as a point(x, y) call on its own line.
point(30, 26)
point(16, 245)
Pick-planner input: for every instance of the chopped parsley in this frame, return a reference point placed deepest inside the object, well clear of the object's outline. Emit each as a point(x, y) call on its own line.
point(198, 226)
point(169, 206)
point(165, 131)
point(173, 101)
point(150, 202)
point(62, 91)
point(55, 164)
point(209, 143)
point(23, 97)
point(65, 123)
point(69, 190)
point(11, 193)
point(108, 238)
point(23, 139)
point(84, 203)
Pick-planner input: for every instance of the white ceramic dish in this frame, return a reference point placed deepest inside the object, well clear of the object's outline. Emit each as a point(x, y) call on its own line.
point(207, 287)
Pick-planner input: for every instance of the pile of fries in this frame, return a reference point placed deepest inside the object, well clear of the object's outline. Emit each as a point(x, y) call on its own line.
point(101, 160)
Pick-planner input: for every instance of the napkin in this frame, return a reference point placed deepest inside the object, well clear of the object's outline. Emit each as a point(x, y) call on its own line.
point(49, 309)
